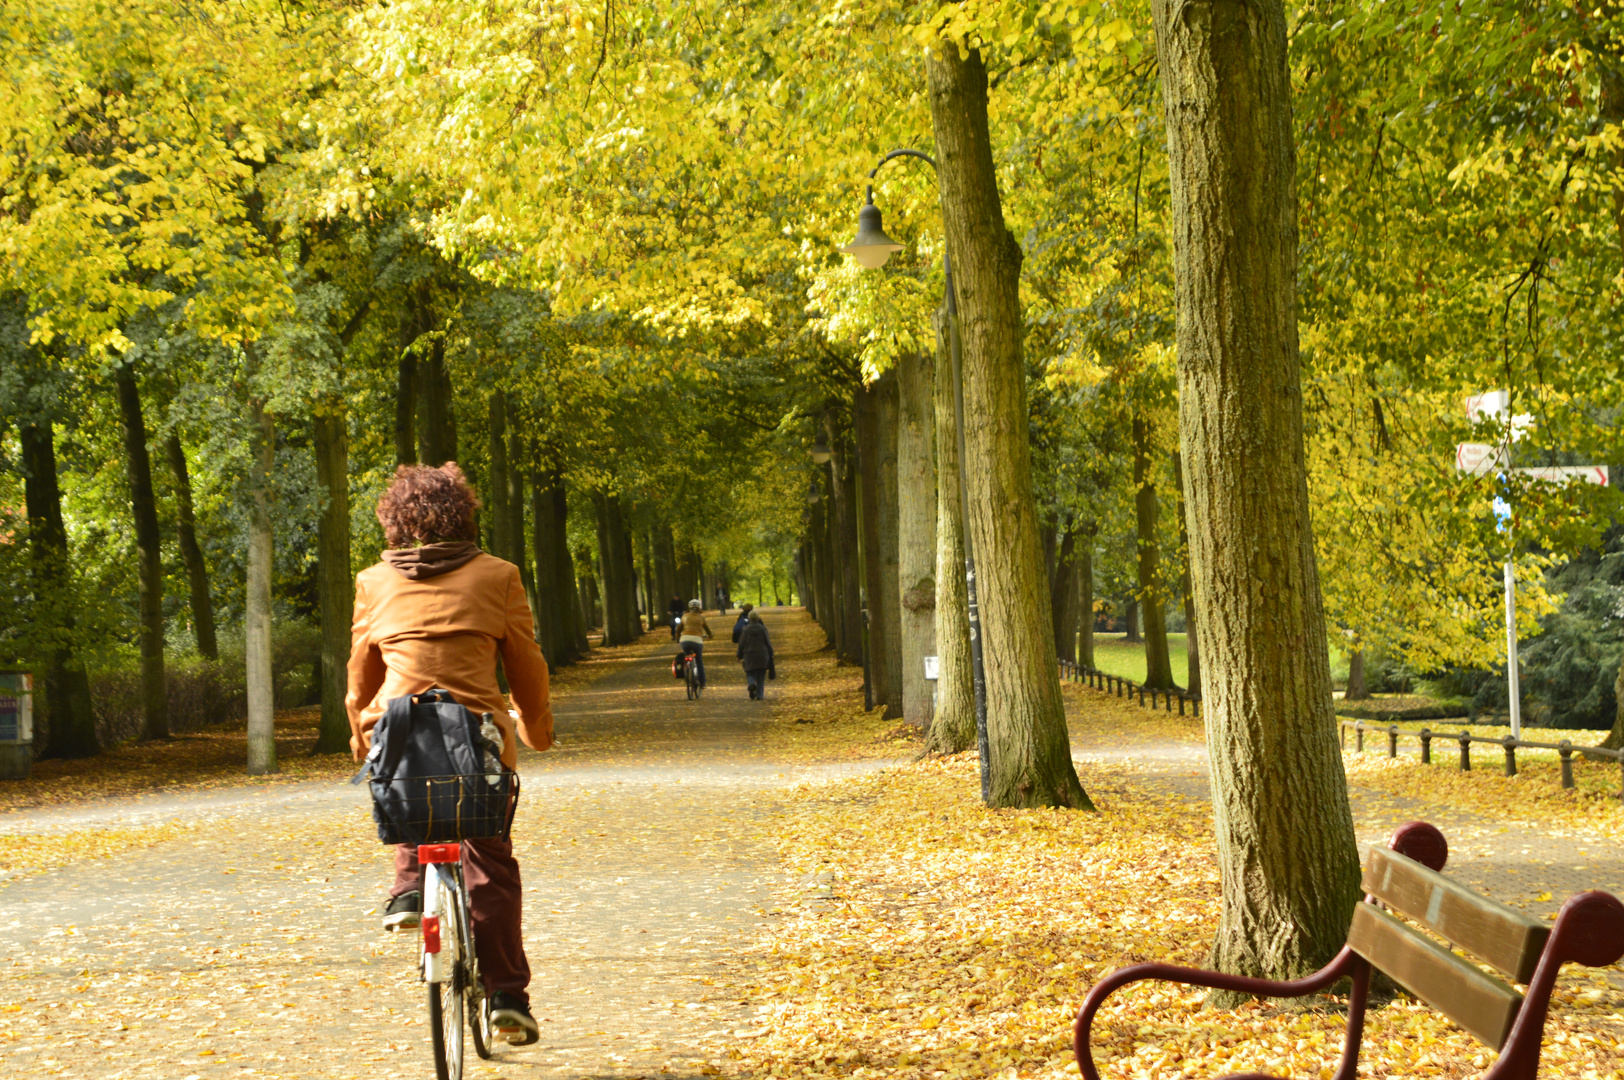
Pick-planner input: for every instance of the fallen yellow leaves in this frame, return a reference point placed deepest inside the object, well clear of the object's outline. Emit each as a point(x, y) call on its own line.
point(930, 937)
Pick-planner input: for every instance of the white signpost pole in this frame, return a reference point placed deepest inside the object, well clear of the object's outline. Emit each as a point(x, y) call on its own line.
point(1512, 680)
point(1479, 459)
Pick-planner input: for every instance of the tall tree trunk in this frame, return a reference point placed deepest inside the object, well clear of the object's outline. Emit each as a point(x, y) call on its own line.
point(436, 430)
point(1085, 597)
point(1030, 756)
point(554, 595)
point(1192, 639)
point(916, 530)
point(1615, 738)
point(1357, 691)
point(1063, 594)
point(1158, 663)
point(406, 379)
point(497, 489)
point(1288, 861)
point(849, 635)
point(257, 616)
point(518, 531)
point(70, 724)
point(197, 572)
point(1131, 619)
point(335, 585)
point(148, 555)
point(619, 580)
point(665, 568)
point(954, 726)
point(871, 407)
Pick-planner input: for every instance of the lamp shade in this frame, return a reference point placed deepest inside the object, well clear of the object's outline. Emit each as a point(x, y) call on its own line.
point(871, 246)
point(820, 453)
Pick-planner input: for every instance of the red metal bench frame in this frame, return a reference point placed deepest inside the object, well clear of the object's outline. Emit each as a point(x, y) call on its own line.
point(1589, 930)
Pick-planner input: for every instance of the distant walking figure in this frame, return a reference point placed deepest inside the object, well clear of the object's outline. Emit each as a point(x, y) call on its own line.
point(756, 654)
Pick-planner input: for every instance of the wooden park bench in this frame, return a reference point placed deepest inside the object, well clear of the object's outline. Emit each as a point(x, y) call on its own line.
point(1404, 878)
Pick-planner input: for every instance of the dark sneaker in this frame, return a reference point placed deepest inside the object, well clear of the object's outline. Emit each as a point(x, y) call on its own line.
point(511, 1020)
point(403, 912)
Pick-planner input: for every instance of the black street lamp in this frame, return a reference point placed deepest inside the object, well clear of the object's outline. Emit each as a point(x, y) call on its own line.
point(872, 248)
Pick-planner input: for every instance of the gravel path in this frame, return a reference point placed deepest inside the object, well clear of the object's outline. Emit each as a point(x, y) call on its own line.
point(250, 946)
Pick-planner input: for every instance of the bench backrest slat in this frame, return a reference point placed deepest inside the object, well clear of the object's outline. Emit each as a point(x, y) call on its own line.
point(1506, 940)
point(1476, 1001)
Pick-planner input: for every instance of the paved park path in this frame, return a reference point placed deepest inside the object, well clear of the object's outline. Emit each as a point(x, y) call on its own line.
point(252, 947)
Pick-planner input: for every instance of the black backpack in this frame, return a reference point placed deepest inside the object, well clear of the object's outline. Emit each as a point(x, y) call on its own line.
point(435, 779)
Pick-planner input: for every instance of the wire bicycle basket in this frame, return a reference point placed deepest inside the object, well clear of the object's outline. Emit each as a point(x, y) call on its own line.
point(441, 809)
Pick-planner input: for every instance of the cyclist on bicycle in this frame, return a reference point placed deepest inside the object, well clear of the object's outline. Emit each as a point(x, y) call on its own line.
point(436, 612)
point(694, 632)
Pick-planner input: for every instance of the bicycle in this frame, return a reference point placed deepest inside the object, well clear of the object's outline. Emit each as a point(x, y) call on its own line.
point(690, 676)
point(449, 963)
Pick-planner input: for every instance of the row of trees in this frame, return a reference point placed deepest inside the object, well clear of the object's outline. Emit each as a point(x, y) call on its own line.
point(1221, 286)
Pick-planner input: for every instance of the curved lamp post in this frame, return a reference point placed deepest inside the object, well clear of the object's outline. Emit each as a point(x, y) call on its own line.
point(872, 248)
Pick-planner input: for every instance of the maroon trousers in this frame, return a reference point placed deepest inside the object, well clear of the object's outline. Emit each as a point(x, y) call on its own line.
point(495, 897)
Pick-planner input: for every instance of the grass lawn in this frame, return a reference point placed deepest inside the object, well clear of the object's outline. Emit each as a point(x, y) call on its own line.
point(1127, 659)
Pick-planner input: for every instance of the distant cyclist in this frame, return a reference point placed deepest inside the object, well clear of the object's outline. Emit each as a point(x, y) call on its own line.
point(694, 632)
point(673, 615)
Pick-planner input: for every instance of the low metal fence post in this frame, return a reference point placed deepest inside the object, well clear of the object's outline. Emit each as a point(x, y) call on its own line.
point(1426, 746)
point(1167, 701)
point(1359, 736)
point(1465, 752)
point(1565, 748)
point(1511, 755)
point(1342, 733)
point(1392, 740)
point(1181, 704)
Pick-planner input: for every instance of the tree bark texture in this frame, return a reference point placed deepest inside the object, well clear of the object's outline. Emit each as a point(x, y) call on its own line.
point(849, 636)
point(1287, 856)
point(148, 555)
point(1130, 619)
point(1152, 600)
point(257, 615)
point(197, 571)
point(1615, 738)
point(873, 407)
point(1026, 720)
point(70, 724)
point(575, 623)
point(916, 529)
point(953, 728)
point(1192, 639)
point(335, 584)
point(518, 529)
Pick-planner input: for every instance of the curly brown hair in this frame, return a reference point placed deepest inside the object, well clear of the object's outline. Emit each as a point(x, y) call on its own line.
point(428, 505)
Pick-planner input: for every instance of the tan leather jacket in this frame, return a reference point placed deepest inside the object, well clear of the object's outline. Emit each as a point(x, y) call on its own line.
point(447, 630)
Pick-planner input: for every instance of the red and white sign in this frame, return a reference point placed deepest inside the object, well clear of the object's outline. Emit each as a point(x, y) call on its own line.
point(1477, 459)
point(1589, 474)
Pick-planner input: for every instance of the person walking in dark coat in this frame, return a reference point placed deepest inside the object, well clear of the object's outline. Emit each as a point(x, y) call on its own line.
point(756, 654)
point(743, 621)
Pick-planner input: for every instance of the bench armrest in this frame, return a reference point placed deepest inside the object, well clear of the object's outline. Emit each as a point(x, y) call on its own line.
point(1346, 964)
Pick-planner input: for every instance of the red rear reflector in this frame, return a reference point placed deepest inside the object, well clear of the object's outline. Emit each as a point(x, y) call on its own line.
point(439, 853)
point(431, 933)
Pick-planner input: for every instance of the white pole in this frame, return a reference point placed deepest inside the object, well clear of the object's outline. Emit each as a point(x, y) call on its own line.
point(1511, 649)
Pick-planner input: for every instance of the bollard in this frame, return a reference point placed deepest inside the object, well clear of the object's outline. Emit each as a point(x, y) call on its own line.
point(1511, 755)
point(1167, 700)
point(1392, 740)
point(1426, 746)
point(1465, 752)
point(1342, 731)
point(1565, 748)
point(1181, 703)
point(1152, 697)
point(1359, 736)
